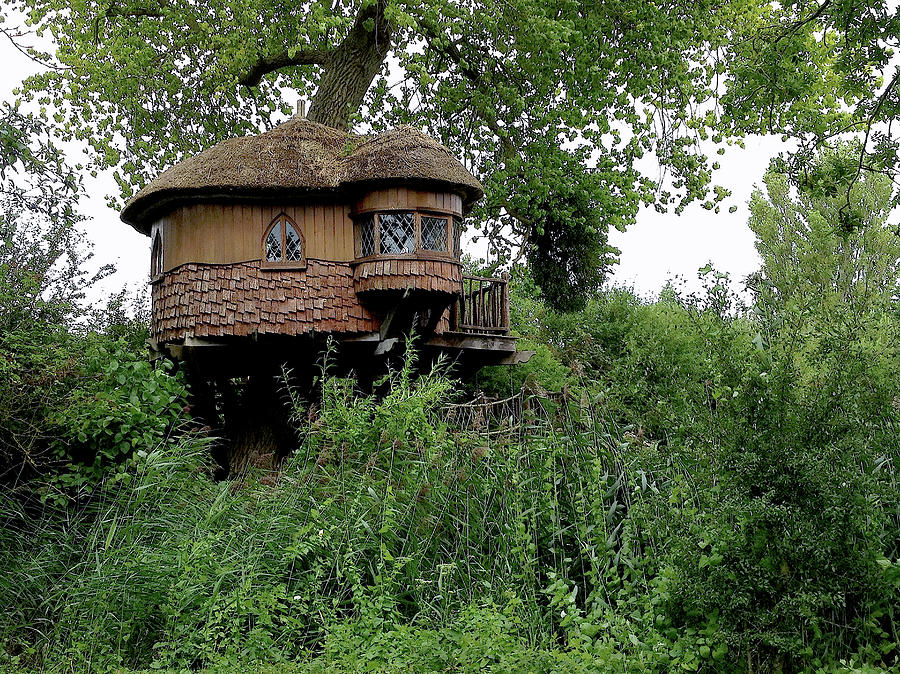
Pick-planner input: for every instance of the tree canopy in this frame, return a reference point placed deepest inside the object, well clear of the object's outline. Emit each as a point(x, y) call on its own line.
point(42, 277)
point(809, 262)
point(545, 99)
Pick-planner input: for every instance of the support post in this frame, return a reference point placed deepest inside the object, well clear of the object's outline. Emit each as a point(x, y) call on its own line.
point(504, 300)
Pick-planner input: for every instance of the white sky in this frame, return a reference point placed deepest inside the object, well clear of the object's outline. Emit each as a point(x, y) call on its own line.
point(657, 248)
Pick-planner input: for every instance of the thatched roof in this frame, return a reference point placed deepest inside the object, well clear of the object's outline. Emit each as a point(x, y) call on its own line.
point(301, 157)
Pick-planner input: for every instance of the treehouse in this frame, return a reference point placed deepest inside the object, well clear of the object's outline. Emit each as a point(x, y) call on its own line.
point(265, 246)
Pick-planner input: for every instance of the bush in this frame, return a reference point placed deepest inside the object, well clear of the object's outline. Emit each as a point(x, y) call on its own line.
point(387, 517)
point(121, 406)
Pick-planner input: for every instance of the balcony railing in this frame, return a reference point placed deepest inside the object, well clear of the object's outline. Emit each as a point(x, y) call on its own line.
point(483, 306)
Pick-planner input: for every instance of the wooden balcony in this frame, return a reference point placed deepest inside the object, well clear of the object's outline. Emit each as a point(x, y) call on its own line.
point(483, 306)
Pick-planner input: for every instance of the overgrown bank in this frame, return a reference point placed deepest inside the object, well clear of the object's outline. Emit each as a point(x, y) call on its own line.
point(688, 484)
point(693, 500)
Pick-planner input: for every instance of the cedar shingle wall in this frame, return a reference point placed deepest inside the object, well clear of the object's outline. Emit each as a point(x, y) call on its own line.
point(197, 300)
point(397, 274)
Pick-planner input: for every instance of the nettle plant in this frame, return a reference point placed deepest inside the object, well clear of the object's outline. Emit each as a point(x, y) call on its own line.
point(123, 408)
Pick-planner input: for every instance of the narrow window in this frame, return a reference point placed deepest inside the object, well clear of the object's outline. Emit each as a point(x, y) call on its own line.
point(156, 256)
point(434, 233)
point(398, 232)
point(283, 242)
point(293, 245)
point(365, 236)
point(273, 243)
point(457, 237)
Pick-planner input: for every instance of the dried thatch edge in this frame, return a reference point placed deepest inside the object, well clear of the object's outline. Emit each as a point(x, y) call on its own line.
point(344, 167)
point(166, 200)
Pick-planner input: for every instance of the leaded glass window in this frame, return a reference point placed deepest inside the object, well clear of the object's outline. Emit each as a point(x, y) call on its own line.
point(405, 233)
point(293, 244)
point(365, 236)
point(398, 232)
point(457, 237)
point(273, 243)
point(283, 242)
point(156, 256)
point(434, 233)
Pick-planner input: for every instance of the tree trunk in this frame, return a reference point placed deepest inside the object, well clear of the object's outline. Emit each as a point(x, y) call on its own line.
point(351, 68)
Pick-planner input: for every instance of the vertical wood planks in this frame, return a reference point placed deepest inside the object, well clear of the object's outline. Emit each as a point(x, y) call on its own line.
point(319, 229)
point(331, 229)
point(345, 233)
point(229, 233)
point(407, 198)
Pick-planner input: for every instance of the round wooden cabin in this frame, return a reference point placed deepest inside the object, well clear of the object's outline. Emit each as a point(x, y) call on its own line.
point(306, 232)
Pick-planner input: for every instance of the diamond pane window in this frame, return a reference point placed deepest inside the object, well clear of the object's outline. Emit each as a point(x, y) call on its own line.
point(398, 232)
point(365, 236)
point(284, 242)
point(273, 243)
point(434, 233)
point(457, 237)
point(293, 244)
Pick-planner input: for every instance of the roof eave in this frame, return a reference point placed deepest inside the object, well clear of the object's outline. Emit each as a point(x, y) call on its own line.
point(141, 212)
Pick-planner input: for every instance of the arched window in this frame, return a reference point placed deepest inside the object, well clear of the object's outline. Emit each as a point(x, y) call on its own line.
point(283, 243)
point(156, 256)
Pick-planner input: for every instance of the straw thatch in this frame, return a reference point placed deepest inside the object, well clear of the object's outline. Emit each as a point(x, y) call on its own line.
point(301, 157)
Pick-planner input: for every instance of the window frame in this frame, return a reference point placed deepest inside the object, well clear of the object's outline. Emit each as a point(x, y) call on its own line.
point(283, 263)
point(419, 251)
point(457, 225)
point(448, 229)
point(415, 233)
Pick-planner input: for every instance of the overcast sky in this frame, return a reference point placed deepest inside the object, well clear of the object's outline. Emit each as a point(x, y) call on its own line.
point(658, 247)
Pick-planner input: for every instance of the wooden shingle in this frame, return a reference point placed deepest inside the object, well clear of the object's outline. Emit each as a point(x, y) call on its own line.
point(212, 301)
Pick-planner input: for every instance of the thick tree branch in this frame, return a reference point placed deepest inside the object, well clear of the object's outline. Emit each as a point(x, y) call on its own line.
point(304, 57)
point(351, 67)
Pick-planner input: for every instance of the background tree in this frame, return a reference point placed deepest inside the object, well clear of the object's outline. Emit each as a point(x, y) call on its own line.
point(539, 96)
point(811, 264)
point(74, 378)
point(41, 255)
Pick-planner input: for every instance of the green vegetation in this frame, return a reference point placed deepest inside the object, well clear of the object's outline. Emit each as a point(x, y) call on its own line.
point(552, 103)
point(701, 501)
point(692, 485)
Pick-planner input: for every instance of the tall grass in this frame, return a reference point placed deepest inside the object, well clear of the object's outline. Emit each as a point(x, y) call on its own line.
point(397, 536)
point(385, 514)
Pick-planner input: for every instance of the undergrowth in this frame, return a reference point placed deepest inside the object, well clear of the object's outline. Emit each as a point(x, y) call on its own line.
point(403, 534)
point(487, 546)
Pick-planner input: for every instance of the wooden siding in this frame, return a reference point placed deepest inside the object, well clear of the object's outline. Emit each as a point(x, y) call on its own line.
point(209, 301)
point(406, 198)
point(229, 233)
point(219, 233)
point(401, 274)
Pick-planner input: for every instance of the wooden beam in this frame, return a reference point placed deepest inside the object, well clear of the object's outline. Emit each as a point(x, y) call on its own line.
point(474, 342)
point(368, 337)
point(194, 342)
point(386, 346)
